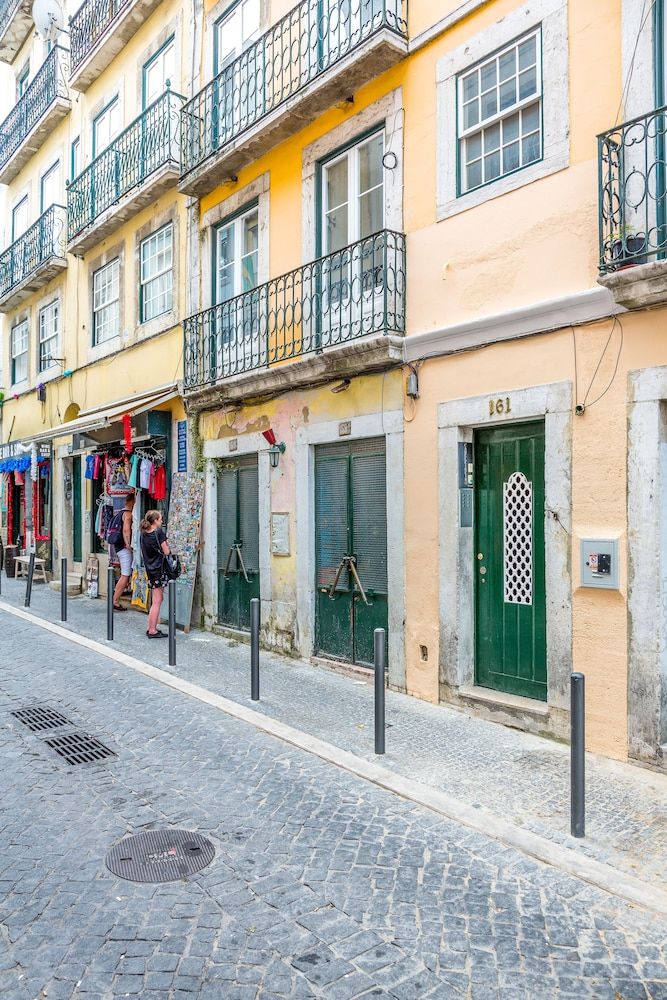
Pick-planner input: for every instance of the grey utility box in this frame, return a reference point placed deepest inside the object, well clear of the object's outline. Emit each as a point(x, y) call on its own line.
point(599, 563)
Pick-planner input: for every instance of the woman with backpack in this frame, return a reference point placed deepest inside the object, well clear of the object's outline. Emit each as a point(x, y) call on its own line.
point(154, 547)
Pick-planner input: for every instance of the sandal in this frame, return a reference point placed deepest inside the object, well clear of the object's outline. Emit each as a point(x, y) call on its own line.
point(156, 635)
point(119, 607)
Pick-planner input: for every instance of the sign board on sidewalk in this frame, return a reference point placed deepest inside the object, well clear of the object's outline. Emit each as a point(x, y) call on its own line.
point(182, 440)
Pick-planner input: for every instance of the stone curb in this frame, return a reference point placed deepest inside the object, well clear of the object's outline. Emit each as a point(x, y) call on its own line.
point(572, 863)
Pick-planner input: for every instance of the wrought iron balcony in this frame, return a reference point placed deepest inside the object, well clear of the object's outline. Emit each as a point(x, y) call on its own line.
point(632, 169)
point(134, 169)
point(44, 102)
point(98, 31)
point(347, 296)
point(15, 24)
point(303, 65)
point(33, 259)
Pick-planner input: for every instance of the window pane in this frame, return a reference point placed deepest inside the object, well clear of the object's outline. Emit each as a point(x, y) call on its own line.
point(527, 83)
point(251, 233)
point(474, 147)
point(470, 88)
point(337, 184)
point(507, 65)
point(226, 283)
point(488, 75)
point(510, 157)
point(511, 128)
point(336, 229)
point(371, 212)
point(507, 94)
point(527, 53)
point(491, 138)
point(489, 104)
point(530, 118)
point(249, 272)
point(474, 174)
point(470, 114)
point(531, 148)
point(492, 166)
point(370, 164)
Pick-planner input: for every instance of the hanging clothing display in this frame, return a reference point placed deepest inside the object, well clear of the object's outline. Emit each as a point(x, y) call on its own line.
point(145, 473)
point(90, 466)
point(134, 472)
point(159, 491)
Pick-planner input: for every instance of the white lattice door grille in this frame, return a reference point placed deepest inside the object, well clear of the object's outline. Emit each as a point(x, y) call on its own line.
point(518, 539)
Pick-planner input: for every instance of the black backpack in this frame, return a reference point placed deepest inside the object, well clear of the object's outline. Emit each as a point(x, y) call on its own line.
point(114, 533)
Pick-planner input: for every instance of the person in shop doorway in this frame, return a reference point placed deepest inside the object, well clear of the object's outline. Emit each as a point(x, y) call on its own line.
point(124, 554)
point(154, 547)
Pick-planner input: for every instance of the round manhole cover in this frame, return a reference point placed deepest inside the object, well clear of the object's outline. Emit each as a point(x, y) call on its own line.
point(160, 856)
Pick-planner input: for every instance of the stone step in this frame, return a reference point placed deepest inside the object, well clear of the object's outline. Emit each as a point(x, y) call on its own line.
point(74, 582)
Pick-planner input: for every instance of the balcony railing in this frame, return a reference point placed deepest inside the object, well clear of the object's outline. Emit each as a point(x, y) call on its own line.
point(349, 294)
point(42, 242)
point(89, 24)
point(632, 169)
point(7, 10)
point(294, 52)
point(150, 142)
point(49, 83)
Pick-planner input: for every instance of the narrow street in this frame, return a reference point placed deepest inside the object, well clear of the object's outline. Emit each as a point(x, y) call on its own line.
point(322, 884)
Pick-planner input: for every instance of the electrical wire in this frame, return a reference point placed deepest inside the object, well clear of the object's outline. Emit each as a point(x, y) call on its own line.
point(584, 405)
point(576, 376)
point(631, 67)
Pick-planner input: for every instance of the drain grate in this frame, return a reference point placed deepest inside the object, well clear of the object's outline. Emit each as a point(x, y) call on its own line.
point(160, 856)
point(40, 717)
point(79, 748)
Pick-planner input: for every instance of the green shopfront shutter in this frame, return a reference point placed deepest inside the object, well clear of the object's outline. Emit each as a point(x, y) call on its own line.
point(369, 528)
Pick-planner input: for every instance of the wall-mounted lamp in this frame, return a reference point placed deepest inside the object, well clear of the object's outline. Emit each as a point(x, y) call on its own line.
point(275, 451)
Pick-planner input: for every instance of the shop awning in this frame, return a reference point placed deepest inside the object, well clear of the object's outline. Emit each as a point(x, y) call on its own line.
point(103, 416)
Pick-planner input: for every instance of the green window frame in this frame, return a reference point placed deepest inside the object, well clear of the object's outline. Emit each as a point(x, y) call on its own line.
point(499, 103)
point(49, 332)
point(19, 206)
point(43, 181)
point(22, 81)
point(75, 158)
point(145, 69)
point(113, 105)
point(156, 267)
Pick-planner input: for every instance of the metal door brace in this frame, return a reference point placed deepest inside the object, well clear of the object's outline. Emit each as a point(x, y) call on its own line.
point(235, 548)
point(351, 564)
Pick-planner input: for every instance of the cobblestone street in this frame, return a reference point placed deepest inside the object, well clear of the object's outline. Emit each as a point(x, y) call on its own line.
point(323, 885)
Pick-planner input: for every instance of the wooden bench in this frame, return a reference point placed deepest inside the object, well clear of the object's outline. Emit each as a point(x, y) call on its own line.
point(23, 562)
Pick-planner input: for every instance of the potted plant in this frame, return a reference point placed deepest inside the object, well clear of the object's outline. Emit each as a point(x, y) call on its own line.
point(627, 247)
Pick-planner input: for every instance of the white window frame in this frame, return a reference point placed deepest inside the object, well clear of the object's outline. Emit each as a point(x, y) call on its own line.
point(53, 170)
point(238, 11)
point(552, 17)
point(353, 191)
point(112, 127)
point(238, 224)
point(146, 281)
point(21, 329)
point(106, 302)
point(160, 62)
point(49, 313)
point(500, 117)
point(22, 203)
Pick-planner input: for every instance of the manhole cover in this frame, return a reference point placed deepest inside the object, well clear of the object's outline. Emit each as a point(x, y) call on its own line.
point(160, 856)
point(40, 717)
point(79, 748)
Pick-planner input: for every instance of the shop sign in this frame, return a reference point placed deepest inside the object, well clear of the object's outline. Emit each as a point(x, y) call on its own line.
point(182, 438)
point(17, 449)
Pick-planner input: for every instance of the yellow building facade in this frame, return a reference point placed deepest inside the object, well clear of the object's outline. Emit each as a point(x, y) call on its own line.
point(418, 281)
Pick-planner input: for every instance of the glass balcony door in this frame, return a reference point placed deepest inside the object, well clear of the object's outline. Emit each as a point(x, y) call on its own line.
point(352, 278)
point(235, 335)
point(238, 99)
point(158, 74)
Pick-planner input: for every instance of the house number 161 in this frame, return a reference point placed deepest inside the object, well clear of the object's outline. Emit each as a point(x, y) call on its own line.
point(498, 406)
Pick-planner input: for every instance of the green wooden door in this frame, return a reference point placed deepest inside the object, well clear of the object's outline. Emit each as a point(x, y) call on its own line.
point(238, 541)
point(77, 549)
point(510, 623)
point(351, 548)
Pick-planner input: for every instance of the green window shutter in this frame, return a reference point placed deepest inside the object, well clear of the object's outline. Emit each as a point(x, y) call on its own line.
point(226, 514)
point(369, 497)
point(249, 514)
point(331, 512)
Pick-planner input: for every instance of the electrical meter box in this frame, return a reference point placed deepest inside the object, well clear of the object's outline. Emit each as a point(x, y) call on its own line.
point(599, 563)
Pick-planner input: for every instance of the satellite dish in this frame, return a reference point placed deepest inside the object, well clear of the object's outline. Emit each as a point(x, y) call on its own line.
point(48, 18)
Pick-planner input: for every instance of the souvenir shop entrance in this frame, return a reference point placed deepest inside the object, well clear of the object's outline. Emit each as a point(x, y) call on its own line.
point(17, 475)
point(118, 467)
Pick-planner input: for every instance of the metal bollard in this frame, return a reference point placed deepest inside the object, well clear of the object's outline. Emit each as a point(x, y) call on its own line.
point(28, 586)
point(254, 649)
point(577, 756)
point(111, 586)
point(63, 589)
point(379, 643)
point(171, 591)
